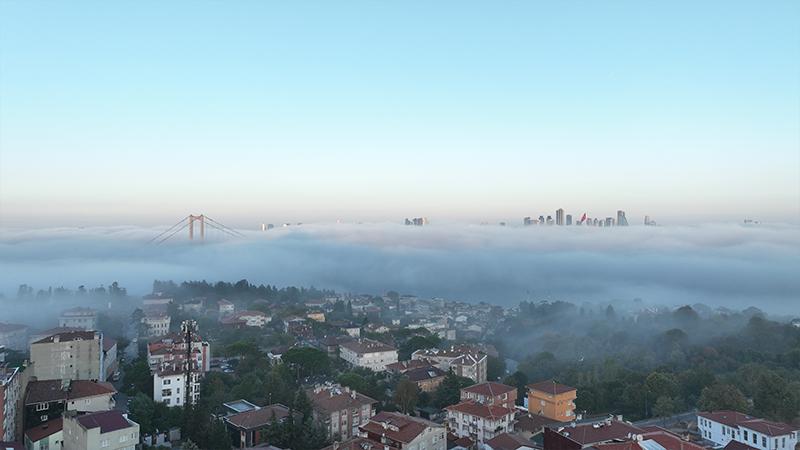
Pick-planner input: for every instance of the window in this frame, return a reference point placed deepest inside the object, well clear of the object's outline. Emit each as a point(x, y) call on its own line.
point(167, 382)
point(42, 406)
point(755, 441)
point(104, 443)
point(745, 435)
point(43, 418)
point(763, 441)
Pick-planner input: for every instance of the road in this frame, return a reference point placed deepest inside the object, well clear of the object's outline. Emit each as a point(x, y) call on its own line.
point(666, 422)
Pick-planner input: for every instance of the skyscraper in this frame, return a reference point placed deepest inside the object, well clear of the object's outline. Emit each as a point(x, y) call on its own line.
point(560, 216)
point(569, 219)
point(621, 220)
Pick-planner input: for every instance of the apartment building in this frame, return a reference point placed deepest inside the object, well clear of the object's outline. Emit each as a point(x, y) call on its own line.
point(48, 399)
point(80, 318)
point(110, 430)
point(169, 386)
point(464, 360)
point(724, 427)
point(341, 410)
point(373, 355)
point(491, 393)
point(552, 400)
point(479, 422)
point(156, 322)
point(71, 355)
point(170, 350)
point(10, 388)
point(403, 432)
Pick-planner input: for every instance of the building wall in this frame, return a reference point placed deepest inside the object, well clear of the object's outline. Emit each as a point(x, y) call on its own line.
point(506, 400)
point(170, 389)
point(9, 398)
point(722, 434)
point(345, 424)
point(52, 442)
point(92, 404)
point(68, 360)
point(433, 438)
point(86, 322)
point(157, 326)
point(375, 361)
point(77, 438)
point(559, 407)
point(478, 428)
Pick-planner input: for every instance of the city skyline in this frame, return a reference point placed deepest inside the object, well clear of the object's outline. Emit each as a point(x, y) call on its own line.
point(368, 112)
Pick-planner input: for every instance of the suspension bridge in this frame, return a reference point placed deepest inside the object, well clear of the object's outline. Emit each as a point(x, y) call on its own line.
point(203, 223)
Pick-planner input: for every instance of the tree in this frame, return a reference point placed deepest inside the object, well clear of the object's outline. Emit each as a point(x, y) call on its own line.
point(142, 411)
point(307, 361)
point(218, 436)
point(189, 445)
point(449, 392)
point(406, 395)
point(495, 368)
point(518, 380)
point(665, 406)
point(722, 397)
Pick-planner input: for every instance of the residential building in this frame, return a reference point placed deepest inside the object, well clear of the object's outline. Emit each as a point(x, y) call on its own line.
point(72, 355)
point(341, 410)
point(156, 322)
point(10, 387)
point(243, 319)
point(246, 426)
point(560, 216)
point(465, 361)
point(110, 362)
point(225, 307)
point(110, 430)
point(722, 427)
point(401, 367)
point(13, 336)
point(298, 327)
point(49, 399)
point(491, 393)
point(552, 400)
point(156, 300)
point(427, 379)
point(478, 421)
point(317, 316)
point(81, 318)
point(613, 435)
point(170, 350)
point(404, 432)
point(169, 385)
point(45, 436)
point(373, 355)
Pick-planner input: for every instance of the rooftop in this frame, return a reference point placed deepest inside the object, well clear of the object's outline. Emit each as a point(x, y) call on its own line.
point(489, 389)
point(68, 336)
point(737, 419)
point(107, 421)
point(258, 418)
point(53, 390)
point(550, 387)
point(362, 346)
point(506, 441)
point(474, 408)
point(596, 433)
point(336, 398)
point(397, 427)
point(46, 429)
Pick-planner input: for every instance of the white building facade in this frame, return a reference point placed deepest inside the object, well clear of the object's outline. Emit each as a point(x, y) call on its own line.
point(169, 387)
point(722, 427)
point(367, 353)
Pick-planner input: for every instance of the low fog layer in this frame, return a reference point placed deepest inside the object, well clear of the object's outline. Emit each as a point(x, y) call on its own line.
point(729, 265)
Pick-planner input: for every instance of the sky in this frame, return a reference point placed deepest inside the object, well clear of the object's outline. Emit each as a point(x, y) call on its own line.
point(139, 113)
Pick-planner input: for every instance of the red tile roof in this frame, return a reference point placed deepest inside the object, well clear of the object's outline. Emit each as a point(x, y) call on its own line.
point(595, 433)
point(505, 441)
point(336, 398)
point(489, 389)
point(737, 419)
point(258, 418)
point(736, 445)
point(474, 408)
point(397, 427)
point(107, 421)
point(669, 440)
point(52, 390)
point(68, 336)
point(40, 432)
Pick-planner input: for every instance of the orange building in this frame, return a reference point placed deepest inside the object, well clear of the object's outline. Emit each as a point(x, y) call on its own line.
point(552, 400)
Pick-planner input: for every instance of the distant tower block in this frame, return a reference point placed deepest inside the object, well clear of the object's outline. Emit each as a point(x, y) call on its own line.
point(202, 219)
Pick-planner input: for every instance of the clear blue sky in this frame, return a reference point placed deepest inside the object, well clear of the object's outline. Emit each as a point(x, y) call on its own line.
point(253, 112)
